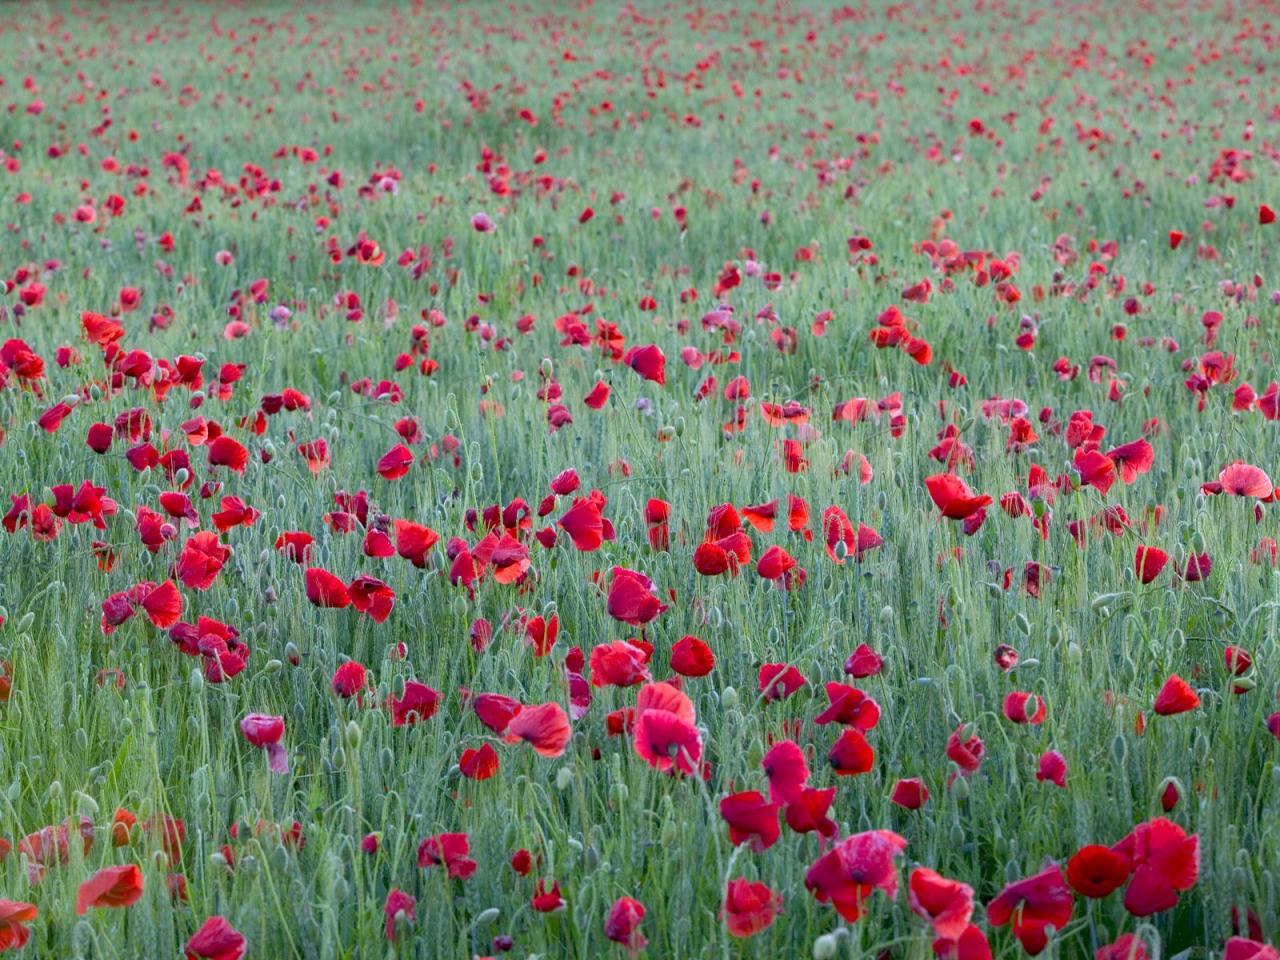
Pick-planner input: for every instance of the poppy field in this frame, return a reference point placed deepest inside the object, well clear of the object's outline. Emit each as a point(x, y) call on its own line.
point(673, 480)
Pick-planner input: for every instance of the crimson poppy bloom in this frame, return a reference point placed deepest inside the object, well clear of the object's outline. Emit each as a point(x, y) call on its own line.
point(395, 463)
point(1032, 906)
point(749, 907)
point(1096, 871)
point(910, 793)
point(216, 940)
point(1052, 767)
point(618, 664)
point(326, 590)
point(110, 887)
point(664, 735)
point(622, 925)
point(1245, 480)
point(849, 706)
point(631, 598)
point(691, 657)
point(418, 702)
point(1020, 707)
point(848, 873)
point(349, 679)
point(851, 754)
point(863, 662)
point(450, 851)
point(787, 771)
point(547, 900)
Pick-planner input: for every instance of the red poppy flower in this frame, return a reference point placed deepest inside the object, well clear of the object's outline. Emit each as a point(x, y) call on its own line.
point(1148, 562)
point(749, 907)
point(851, 754)
point(649, 362)
point(399, 906)
point(372, 597)
point(1164, 862)
point(202, 558)
point(263, 730)
point(618, 664)
point(1032, 905)
point(952, 496)
point(1052, 768)
point(395, 463)
point(326, 590)
point(1096, 871)
point(495, 710)
point(1245, 480)
point(946, 904)
point(450, 851)
point(544, 727)
point(418, 702)
point(849, 706)
point(778, 681)
point(479, 764)
point(1021, 707)
point(1176, 696)
point(787, 771)
point(349, 679)
point(216, 940)
point(1132, 459)
point(691, 657)
point(110, 887)
point(631, 598)
point(225, 451)
point(622, 925)
point(664, 734)
point(863, 662)
point(910, 794)
point(848, 873)
point(14, 915)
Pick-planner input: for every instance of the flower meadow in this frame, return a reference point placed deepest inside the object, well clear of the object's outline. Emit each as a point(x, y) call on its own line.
point(640, 479)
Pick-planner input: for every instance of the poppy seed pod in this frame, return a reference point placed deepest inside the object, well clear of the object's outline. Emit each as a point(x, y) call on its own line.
point(825, 947)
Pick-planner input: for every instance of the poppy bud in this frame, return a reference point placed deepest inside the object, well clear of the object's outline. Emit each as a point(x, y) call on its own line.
point(353, 735)
point(564, 780)
point(86, 806)
point(193, 727)
point(547, 367)
point(679, 426)
point(960, 788)
point(1170, 793)
point(485, 917)
point(825, 947)
point(217, 860)
point(1023, 624)
point(197, 681)
point(1197, 542)
point(1200, 748)
point(620, 793)
point(1119, 749)
point(728, 698)
point(670, 833)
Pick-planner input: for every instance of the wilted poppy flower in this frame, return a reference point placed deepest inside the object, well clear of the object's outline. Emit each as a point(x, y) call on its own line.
point(1033, 905)
point(847, 874)
point(399, 907)
point(450, 851)
point(110, 887)
point(216, 940)
point(1052, 768)
point(265, 731)
point(749, 907)
point(623, 923)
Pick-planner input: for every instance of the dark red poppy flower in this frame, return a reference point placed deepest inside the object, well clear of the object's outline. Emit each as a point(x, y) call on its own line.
point(778, 681)
point(649, 362)
point(398, 910)
point(349, 679)
point(479, 764)
point(1032, 906)
point(691, 657)
point(326, 590)
point(849, 706)
point(14, 916)
point(450, 851)
point(418, 702)
point(1052, 768)
point(1148, 562)
point(1021, 707)
point(910, 793)
point(863, 662)
point(622, 925)
point(631, 598)
point(395, 463)
point(1096, 871)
